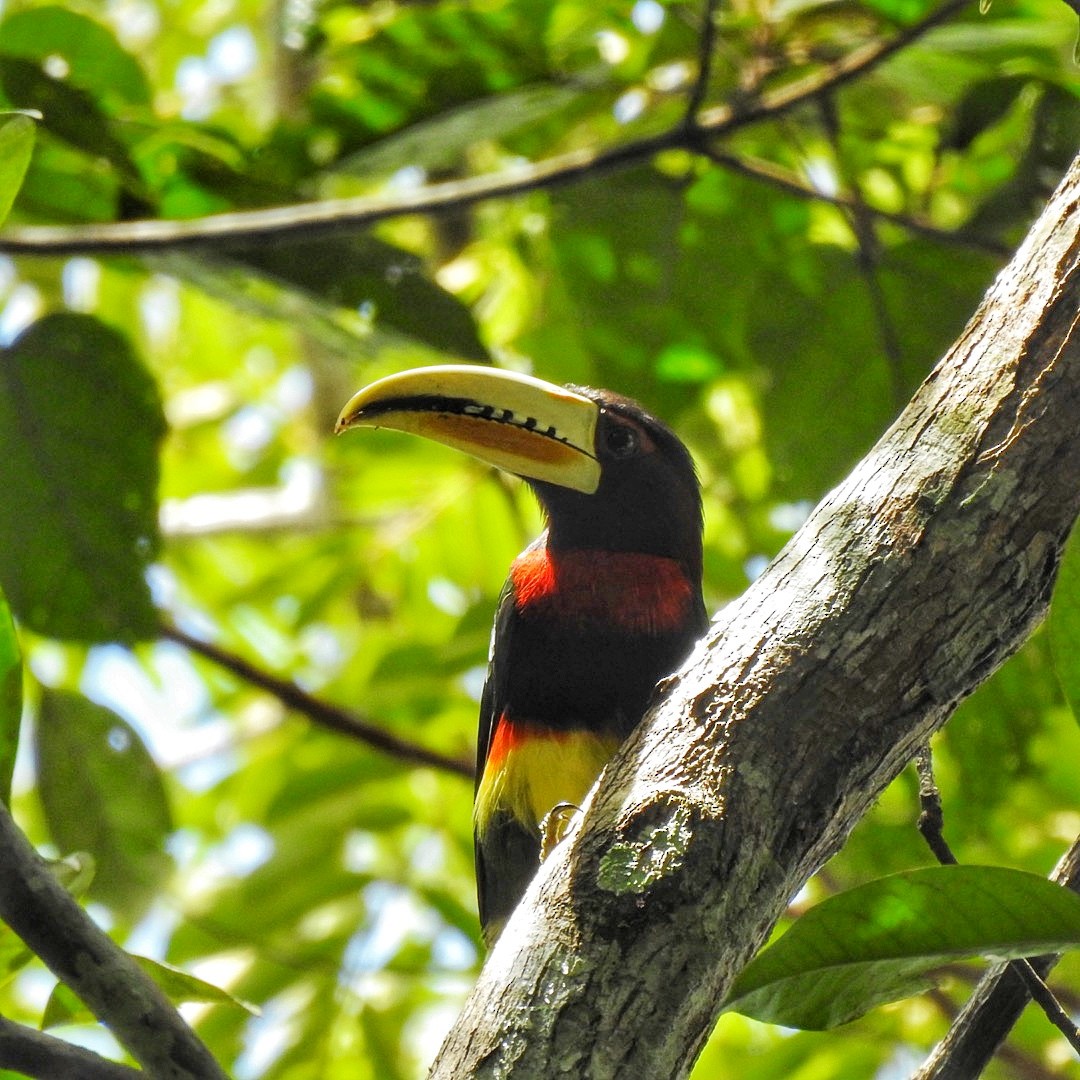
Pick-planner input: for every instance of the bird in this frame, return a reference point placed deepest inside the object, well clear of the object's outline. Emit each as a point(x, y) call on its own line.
point(605, 603)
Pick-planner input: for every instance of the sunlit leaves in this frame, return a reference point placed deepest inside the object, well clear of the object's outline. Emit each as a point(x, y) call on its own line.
point(16, 145)
point(80, 424)
point(881, 941)
point(63, 1007)
point(103, 793)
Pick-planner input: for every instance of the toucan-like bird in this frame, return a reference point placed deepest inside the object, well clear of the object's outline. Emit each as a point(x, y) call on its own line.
point(605, 603)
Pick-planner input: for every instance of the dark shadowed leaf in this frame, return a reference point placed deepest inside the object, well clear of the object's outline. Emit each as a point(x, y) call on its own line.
point(102, 793)
point(67, 112)
point(80, 424)
point(91, 57)
point(369, 274)
point(441, 141)
point(881, 941)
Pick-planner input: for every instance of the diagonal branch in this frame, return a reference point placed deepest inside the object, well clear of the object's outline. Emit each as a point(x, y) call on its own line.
point(34, 1053)
point(908, 586)
point(336, 216)
point(723, 119)
point(321, 712)
point(108, 981)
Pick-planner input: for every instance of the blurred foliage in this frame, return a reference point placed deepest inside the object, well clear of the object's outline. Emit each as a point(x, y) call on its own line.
point(322, 881)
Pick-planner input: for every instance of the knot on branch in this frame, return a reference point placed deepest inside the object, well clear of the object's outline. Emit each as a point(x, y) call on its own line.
point(663, 831)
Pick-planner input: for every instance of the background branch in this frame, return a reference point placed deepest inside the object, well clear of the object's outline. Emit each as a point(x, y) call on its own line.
point(115, 989)
point(706, 47)
point(321, 712)
point(34, 1053)
point(335, 216)
point(787, 181)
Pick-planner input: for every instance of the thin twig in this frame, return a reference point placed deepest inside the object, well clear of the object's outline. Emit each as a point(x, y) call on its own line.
point(789, 182)
point(706, 46)
point(930, 825)
point(722, 119)
point(868, 258)
point(931, 820)
point(108, 981)
point(336, 216)
point(45, 1057)
point(321, 712)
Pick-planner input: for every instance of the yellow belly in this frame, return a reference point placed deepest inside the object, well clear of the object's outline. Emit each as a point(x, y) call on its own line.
point(530, 772)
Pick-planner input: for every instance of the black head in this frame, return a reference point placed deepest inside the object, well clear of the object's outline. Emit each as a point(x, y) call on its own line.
point(648, 499)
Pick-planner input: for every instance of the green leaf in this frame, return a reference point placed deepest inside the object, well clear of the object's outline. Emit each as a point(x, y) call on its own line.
point(65, 1007)
point(14, 955)
point(102, 793)
point(75, 872)
point(66, 112)
point(10, 699)
point(80, 424)
point(880, 942)
point(59, 186)
point(441, 142)
point(368, 272)
point(1063, 624)
point(16, 145)
point(180, 986)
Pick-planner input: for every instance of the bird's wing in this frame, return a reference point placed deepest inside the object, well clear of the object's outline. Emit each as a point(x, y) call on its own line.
point(493, 697)
point(508, 854)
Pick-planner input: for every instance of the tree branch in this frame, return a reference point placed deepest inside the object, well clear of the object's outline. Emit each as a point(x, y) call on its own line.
point(336, 216)
point(706, 46)
point(34, 1053)
point(112, 986)
point(321, 712)
point(908, 586)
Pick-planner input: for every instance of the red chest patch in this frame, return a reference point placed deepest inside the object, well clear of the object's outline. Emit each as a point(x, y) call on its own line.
point(643, 593)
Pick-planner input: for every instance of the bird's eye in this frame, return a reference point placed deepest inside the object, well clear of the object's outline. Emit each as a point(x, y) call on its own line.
point(622, 440)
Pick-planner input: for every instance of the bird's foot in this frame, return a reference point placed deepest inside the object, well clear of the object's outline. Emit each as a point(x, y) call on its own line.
point(555, 826)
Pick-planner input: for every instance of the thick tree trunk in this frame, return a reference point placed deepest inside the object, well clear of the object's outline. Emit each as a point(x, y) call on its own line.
point(908, 586)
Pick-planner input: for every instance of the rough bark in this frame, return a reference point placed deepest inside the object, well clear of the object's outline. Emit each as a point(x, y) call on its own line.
point(910, 583)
